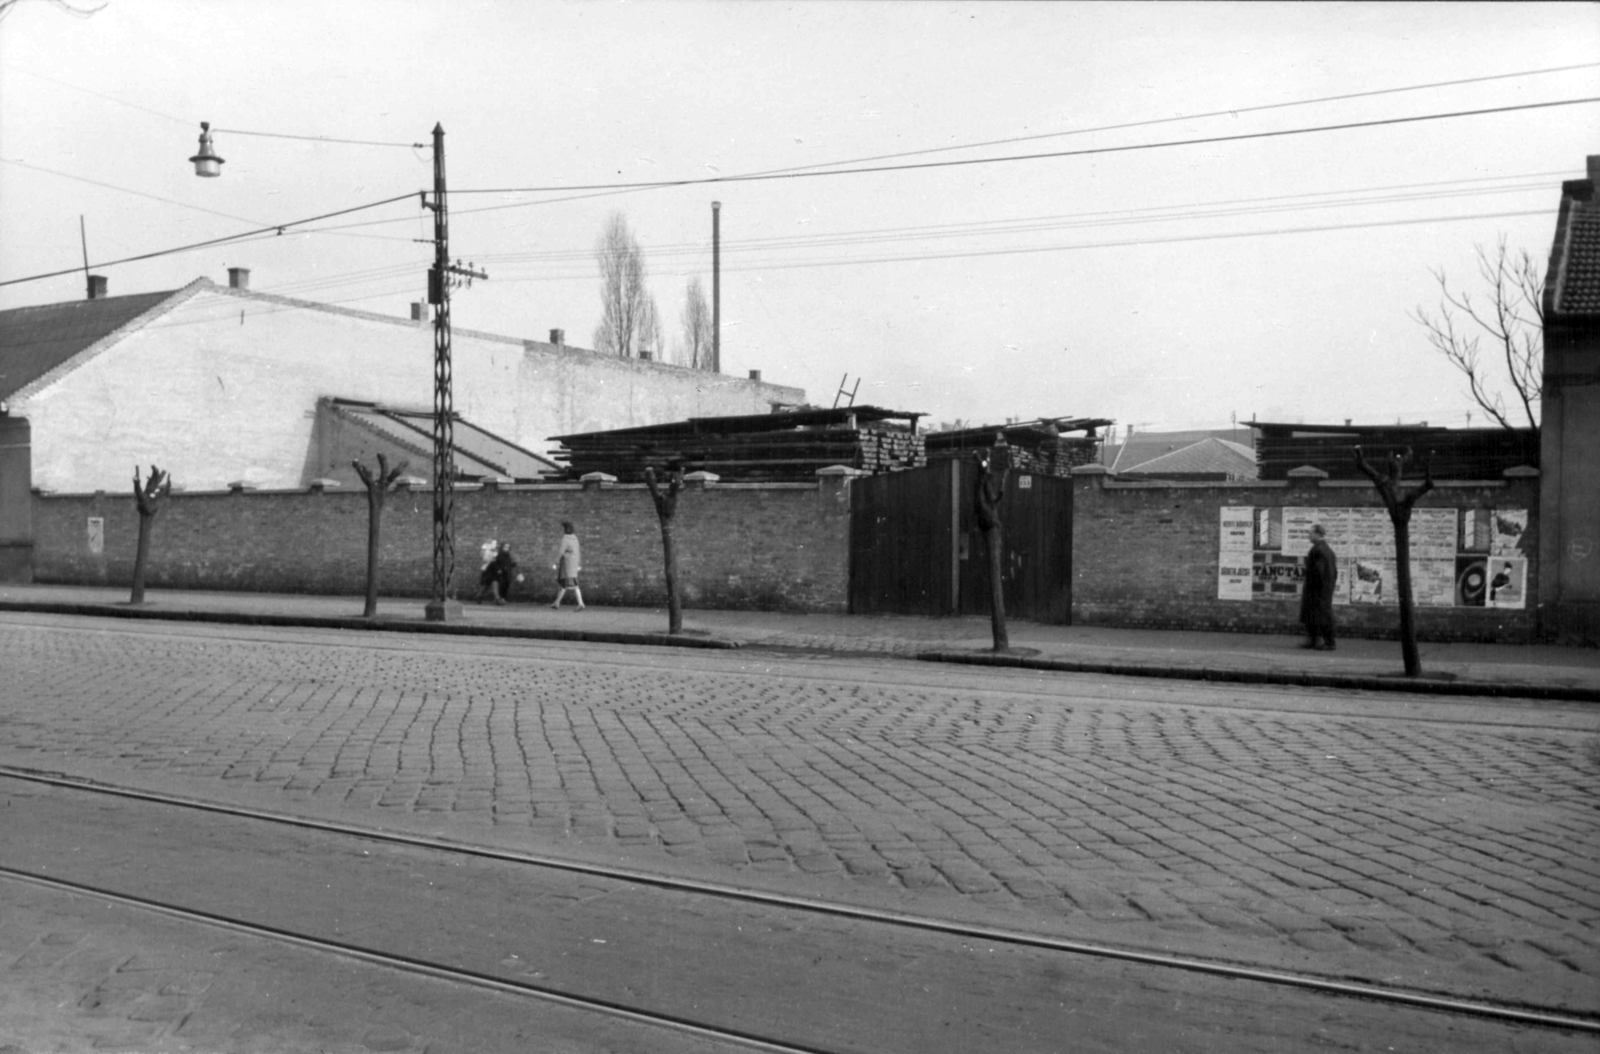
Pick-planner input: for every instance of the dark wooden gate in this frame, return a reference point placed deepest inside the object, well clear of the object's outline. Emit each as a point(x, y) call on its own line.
point(915, 550)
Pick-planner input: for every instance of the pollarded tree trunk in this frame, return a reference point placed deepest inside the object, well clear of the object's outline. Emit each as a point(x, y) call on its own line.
point(1399, 505)
point(147, 498)
point(992, 472)
point(378, 487)
point(666, 509)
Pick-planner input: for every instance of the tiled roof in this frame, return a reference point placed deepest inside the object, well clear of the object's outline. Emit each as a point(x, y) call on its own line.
point(1579, 279)
point(1208, 457)
point(1147, 446)
point(36, 340)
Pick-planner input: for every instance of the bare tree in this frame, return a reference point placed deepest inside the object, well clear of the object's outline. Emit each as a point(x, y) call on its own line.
point(147, 498)
point(666, 503)
point(627, 312)
point(992, 472)
point(1510, 316)
point(1399, 505)
point(695, 351)
point(378, 488)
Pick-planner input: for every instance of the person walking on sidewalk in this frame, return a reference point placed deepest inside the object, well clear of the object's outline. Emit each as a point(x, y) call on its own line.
point(1316, 595)
point(568, 563)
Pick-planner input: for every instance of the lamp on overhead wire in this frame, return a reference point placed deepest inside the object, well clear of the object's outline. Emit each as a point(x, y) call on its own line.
point(442, 277)
point(206, 162)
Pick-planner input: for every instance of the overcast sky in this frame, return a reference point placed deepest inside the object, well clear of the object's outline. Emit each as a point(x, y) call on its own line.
point(1167, 286)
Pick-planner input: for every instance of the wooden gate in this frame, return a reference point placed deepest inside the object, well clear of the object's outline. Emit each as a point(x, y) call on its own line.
point(915, 550)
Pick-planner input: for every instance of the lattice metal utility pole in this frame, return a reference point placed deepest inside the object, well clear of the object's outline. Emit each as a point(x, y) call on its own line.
point(441, 277)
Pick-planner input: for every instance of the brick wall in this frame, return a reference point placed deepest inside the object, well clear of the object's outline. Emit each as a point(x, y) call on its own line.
point(1146, 555)
point(754, 546)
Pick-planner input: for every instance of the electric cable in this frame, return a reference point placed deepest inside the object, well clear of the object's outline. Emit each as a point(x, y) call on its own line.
point(1048, 155)
point(275, 229)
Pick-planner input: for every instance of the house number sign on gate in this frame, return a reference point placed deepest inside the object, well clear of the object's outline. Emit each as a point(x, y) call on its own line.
point(1025, 482)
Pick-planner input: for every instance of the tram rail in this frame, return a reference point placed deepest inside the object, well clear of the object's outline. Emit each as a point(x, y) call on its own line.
point(1522, 1014)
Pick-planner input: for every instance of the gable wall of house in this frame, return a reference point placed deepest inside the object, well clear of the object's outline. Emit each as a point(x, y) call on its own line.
point(224, 387)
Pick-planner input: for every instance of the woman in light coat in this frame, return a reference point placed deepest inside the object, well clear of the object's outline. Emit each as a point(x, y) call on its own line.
point(569, 562)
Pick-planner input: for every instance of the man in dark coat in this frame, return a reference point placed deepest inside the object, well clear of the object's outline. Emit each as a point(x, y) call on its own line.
point(1316, 596)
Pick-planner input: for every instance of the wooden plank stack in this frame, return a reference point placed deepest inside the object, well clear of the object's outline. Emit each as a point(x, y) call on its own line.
point(740, 450)
point(1461, 453)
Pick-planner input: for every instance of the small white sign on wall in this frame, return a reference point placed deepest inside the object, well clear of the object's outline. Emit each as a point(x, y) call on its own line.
point(97, 535)
point(1025, 482)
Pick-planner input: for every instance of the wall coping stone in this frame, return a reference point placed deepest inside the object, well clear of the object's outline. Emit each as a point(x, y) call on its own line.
point(1438, 484)
point(239, 486)
point(842, 470)
point(1307, 472)
point(1193, 484)
point(1521, 472)
point(413, 482)
point(320, 483)
point(1093, 469)
point(597, 480)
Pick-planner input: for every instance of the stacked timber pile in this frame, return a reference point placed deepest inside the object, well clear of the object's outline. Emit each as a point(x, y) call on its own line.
point(1037, 447)
point(783, 447)
point(1460, 453)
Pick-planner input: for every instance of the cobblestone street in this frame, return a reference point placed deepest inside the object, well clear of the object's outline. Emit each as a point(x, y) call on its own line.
point(1446, 846)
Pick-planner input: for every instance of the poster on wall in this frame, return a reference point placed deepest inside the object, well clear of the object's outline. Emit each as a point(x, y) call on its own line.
point(1234, 572)
point(1457, 555)
point(1508, 580)
point(1507, 527)
point(1372, 580)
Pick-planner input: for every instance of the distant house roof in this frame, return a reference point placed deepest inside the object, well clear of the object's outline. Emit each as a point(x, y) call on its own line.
point(1208, 458)
point(1572, 281)
point(1141, 447)
point(478, 451)
point(34, 341)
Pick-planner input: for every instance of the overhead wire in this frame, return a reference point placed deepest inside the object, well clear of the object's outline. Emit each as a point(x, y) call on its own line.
point(1302, 201)
point(267, 231)
point(1232, 112)
point(1048, 155)
point(1088, 151)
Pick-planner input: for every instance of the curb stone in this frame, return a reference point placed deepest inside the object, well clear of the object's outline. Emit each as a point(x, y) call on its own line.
point(1295, 678)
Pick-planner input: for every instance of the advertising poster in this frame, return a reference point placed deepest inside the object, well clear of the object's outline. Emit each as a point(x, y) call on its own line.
point(1234, 571)
point(1372, 580)
point(1277, 576)
point(1459, 557)
point(1472, 581)
point(1507, 526)
point(97, 535)
point(1508, 579)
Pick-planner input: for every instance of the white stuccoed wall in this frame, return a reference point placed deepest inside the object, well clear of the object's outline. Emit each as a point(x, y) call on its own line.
point(224, 387)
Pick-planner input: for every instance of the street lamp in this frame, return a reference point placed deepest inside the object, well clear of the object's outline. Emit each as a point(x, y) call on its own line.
point(206, 162)
point(442, 277)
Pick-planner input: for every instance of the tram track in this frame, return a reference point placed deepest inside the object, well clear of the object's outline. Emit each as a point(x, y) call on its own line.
point(1516, 1014)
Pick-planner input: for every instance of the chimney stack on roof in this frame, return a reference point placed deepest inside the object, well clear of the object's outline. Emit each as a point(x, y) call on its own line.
point(238, 278)
point(558, 337)
point(97, 287)
point(418, 312)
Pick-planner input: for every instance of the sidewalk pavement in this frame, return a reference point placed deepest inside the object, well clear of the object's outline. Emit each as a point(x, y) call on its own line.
point(1527, 671)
